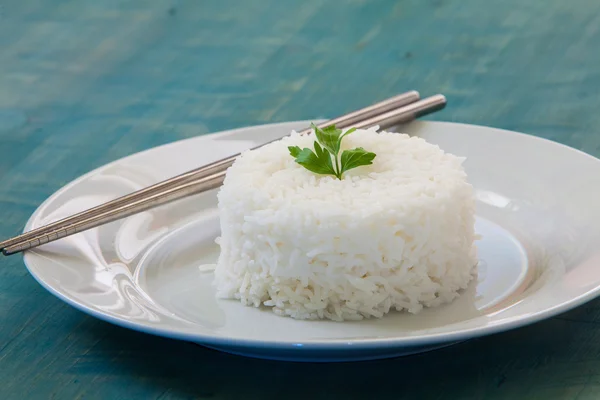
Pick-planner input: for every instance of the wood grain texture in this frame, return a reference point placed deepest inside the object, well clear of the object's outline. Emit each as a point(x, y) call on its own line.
point(85, 82)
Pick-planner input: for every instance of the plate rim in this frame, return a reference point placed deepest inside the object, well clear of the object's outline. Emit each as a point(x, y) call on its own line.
point(307, 344)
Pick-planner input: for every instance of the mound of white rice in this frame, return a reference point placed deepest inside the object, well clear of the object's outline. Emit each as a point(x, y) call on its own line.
point(398, 234)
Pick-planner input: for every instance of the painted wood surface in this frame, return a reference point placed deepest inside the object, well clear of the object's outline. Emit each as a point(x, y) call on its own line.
point(84, 82)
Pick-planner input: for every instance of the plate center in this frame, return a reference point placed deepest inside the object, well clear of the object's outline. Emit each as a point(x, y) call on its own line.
point(169, 273)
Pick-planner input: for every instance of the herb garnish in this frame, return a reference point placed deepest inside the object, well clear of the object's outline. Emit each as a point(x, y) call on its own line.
point(325, 158)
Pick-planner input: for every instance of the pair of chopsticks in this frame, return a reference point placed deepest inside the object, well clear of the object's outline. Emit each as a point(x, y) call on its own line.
point(393, 111)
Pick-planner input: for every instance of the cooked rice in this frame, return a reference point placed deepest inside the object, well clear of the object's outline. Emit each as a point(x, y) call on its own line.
point(398, 234)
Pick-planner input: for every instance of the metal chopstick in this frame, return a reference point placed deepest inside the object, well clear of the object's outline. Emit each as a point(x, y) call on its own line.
point(385, 120)
point(207, 170)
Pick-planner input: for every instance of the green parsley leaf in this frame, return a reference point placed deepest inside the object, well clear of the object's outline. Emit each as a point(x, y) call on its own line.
point(294, 151)
point(329, 138)
point(356, 158)
point(325, 158)
point(312, 162)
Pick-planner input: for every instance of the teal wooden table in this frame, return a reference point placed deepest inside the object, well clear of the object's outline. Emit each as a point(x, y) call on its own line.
point(85, 82)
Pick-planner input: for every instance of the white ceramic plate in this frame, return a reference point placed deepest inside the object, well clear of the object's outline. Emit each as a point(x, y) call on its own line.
point(538, 211)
